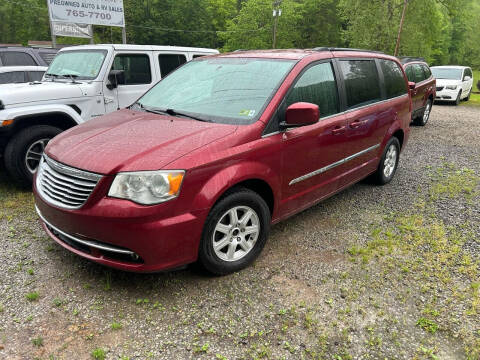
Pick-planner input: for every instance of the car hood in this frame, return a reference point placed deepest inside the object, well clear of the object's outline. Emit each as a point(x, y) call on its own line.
point(14, 94)
point(132, 141)
point(446, 82)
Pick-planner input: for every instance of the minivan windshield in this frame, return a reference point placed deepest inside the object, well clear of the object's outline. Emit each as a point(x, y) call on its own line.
point(447, 73)
point(221, 90)
point(82, 64)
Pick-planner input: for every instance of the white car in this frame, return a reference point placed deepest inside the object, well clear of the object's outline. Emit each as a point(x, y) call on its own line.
point(81, 83)
point(21, 74)
point(454, 83)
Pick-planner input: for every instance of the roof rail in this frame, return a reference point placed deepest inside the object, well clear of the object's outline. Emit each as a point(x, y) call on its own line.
point(324, 48)
point(408, 59)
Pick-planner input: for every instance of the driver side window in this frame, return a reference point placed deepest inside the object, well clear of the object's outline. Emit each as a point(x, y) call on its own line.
point(316, 85)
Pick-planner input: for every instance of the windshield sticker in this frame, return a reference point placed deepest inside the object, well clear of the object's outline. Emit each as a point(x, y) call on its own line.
point(249, 113)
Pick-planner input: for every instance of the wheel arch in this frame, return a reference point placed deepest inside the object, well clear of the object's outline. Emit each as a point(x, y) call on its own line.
point(254, 176)
point(57, 119)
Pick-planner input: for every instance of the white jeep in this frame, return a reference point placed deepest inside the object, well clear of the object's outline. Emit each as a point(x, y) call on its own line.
point(81, 83)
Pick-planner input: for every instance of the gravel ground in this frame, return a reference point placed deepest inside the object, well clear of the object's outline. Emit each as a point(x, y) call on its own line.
point(372, 273)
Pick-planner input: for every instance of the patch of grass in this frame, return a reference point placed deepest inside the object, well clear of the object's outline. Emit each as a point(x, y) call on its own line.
point(451, 182)
point(98, 354)
point(201, 349)
point(116, 326)
point(37, 341)
point(427, 325)
point(57, 302)
point(32, 296)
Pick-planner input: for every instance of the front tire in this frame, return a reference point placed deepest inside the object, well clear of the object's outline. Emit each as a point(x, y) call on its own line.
point(422, 120)
point(388, 162)
point(23, 152)
point(235, 232)
point(459, 96)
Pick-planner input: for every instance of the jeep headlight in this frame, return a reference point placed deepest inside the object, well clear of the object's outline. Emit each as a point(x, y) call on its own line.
point(451, 87)
point(147, 187)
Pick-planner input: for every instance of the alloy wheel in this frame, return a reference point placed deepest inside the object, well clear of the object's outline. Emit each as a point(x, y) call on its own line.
point(236, 233)
point(34, 154)
point(390, 161)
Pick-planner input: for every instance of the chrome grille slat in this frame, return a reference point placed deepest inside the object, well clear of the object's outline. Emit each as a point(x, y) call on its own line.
point(69, 179)
point(58, 192)
point(64, 186)
point(56, 197)
point(61, 183)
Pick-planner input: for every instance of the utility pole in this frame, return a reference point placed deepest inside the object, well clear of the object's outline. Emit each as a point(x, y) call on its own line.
point(276, 13)
point(405, 2)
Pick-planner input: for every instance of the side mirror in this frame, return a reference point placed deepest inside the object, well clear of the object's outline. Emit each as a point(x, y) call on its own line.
point(115, 77)
point(411, 85)
point(300, 114)
point(466, 78)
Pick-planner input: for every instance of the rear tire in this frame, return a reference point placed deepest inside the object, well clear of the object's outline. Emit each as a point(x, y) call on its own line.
point(24, 151)
point(388, 163)
point(229, 244)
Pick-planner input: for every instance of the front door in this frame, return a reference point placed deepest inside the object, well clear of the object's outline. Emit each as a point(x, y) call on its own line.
point(138, 76)
point(312, 154)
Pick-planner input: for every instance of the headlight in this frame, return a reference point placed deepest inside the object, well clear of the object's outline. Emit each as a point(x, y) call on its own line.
point(147, 187)
point(451, 87)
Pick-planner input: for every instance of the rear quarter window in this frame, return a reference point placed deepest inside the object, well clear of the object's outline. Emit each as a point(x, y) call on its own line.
point(393, 77)
point(419, 74)
point(16, 58)
point(426, 71)
point(361, 82)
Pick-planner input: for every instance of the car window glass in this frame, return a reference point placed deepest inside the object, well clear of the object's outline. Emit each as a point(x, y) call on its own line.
point(12, 77)
point(222, 90)
point(316, 85)
point(16, 58)
point(35, 75)
point(394, 80)
point(426, 71)
point(169, 62)
point(136, 68)
point(419, 75)
point(410, 73)
point(361, 82)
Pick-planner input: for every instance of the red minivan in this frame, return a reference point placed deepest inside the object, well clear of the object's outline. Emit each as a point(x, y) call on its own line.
point(206, 161)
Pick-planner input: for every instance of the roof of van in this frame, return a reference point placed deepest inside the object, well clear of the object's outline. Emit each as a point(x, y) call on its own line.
point(124, 47)
point(297, 54)
point(450, 67)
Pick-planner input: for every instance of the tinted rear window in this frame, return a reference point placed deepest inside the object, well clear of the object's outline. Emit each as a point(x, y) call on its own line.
point(394, 80)
point(169, 62)
point(16, 58)
point(361, 82)
point(426, 71)
point(419, 74)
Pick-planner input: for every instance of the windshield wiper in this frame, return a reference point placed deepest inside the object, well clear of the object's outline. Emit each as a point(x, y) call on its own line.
point(167, 112)
point(177, 113)
point(65, 76)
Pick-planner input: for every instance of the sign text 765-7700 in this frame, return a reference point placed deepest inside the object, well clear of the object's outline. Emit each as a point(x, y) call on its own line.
point(96, 12)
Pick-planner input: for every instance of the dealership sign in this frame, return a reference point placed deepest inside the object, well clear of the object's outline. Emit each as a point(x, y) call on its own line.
point(95, 12)
point(73, 30)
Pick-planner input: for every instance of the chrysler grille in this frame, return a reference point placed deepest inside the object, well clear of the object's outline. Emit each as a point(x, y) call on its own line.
point(64, 186)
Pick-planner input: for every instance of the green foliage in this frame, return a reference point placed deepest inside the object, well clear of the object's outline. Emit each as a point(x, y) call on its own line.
point(33, 296)
point(427, 325)
point(98, 354)
point(442, 31)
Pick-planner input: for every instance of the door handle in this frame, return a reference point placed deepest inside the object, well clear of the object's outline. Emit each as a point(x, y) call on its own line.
point(357, 123)
point(338, 130)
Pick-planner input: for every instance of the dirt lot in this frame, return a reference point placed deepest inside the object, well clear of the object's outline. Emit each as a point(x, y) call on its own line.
point(372, 273)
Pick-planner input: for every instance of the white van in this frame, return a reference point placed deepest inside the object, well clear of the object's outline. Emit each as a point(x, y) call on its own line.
point(454, 83)
point(81, 83)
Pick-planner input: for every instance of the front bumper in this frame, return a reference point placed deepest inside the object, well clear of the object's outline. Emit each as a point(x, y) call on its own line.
point(446, 95)
point(125, 236)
